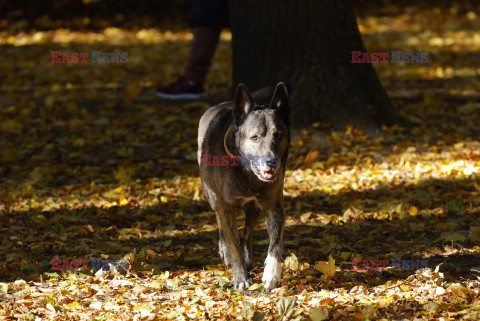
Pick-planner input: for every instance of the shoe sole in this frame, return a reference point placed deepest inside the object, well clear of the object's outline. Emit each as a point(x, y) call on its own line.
point(180, 96)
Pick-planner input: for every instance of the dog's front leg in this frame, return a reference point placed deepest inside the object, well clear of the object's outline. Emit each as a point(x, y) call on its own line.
point(275, 223)
point(222, 245)
point(252, 213)
point(235, 252)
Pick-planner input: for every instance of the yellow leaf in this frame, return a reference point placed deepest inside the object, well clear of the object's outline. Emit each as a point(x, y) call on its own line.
point(122, 200)
point(255, 286)
point(318, 314)
point(113, 193)
point(327, 268)
point(141, 307)
point(156, 285)
point(74, 304)
point(405, 288)
point(291, 262)
point(214, 268)
point(65, 292)
point(413, 210)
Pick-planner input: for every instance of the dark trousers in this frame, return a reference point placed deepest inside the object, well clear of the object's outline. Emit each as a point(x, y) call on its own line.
point(207, 19)
point(202, 49)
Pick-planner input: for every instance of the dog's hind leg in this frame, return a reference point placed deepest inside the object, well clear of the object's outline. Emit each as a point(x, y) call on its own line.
point(275, 223)
point(252, 213)
point(235, 252)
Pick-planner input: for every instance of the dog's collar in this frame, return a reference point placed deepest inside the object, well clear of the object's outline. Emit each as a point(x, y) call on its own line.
point(229, 153)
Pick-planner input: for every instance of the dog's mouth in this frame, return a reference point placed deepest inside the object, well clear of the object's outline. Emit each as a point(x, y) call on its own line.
point(265, 175)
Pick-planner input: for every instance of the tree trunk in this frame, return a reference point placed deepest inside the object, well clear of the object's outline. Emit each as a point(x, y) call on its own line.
point(307, 44)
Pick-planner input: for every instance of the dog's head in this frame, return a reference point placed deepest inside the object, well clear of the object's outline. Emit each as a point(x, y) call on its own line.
point(263, 132)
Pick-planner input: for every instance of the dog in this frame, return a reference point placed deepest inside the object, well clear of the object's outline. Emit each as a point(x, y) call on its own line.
point(260, 135)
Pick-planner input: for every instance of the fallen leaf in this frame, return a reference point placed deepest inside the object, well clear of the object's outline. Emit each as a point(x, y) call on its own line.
point(318, 314)
point(291, 262)
point(327, 268)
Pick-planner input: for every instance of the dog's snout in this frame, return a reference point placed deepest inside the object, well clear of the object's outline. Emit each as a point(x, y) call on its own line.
point(271, 161)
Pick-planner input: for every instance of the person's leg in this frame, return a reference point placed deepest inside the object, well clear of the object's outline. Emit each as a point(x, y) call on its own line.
point(206, 19)
point(202, 50)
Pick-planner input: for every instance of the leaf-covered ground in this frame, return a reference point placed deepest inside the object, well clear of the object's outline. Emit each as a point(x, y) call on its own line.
point(93, 166)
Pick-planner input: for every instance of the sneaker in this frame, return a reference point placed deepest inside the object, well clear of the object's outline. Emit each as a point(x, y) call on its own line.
point(180, 89)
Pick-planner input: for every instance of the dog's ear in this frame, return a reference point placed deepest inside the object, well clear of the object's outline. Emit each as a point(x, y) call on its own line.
point(280, 102)
point(243, 102)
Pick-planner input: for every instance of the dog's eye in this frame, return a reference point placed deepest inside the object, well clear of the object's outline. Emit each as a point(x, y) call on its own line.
point(278, 135)
point(254, 137)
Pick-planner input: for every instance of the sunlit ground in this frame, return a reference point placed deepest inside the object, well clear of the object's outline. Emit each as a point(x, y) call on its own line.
point(92, 165)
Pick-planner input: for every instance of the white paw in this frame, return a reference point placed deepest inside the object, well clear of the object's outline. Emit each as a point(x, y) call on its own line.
point(271, 273)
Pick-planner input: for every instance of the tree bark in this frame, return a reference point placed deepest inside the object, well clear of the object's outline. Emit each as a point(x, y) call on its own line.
point(307, 44)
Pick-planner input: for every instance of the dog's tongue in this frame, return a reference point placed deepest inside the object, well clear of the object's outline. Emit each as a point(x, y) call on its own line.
point(267, 174)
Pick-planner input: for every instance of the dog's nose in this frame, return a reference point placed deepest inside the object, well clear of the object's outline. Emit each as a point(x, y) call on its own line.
point(271, 161)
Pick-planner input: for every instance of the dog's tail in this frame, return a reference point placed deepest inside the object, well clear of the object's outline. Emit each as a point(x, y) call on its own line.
point(263, 96)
